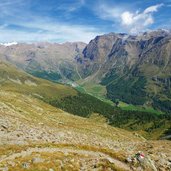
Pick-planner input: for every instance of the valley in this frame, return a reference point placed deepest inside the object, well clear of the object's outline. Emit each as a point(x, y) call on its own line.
point(77, 106)
point(129, 68)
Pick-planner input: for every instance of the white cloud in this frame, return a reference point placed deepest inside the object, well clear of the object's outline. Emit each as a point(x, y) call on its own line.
point(9, 43)
point(106, 12)
point(138, 21)
point(148, 21)
point(132, 22)
point(153, 8)
point(33, 27)
point(127, 18)
point(48, 31)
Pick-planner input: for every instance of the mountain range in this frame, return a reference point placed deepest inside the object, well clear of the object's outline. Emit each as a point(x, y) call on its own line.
point(134, 69)
point(47, 60)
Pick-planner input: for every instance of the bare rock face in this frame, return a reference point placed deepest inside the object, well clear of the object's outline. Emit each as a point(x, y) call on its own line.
point(114, 49)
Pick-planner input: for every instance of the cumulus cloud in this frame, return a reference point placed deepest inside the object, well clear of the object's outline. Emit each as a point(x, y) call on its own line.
point(127, 18)
point(138, 21)
point(132, 22)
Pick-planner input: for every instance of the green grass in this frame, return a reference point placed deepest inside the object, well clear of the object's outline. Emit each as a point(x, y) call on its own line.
point(80, 89)
point(95, 89)
point(139, 108)
point(98, 89)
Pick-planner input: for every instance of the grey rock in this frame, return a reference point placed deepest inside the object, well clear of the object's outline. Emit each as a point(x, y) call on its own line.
point(37, 160)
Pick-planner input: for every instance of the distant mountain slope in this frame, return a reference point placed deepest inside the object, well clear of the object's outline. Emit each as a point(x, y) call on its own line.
point(46, 60)
point(13, 79)
point(134, 69)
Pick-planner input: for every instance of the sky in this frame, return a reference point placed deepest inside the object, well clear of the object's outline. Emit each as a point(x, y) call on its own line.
point(79, 20)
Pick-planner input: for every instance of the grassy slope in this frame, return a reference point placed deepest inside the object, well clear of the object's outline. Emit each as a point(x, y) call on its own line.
point(60, 130)
point(29, 120)
point(36, 125)
point(81, 104)
point(84, 105)
point(44, 126)
point(12, 79)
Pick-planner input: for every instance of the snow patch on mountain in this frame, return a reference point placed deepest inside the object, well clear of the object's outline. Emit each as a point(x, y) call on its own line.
point(9, 43)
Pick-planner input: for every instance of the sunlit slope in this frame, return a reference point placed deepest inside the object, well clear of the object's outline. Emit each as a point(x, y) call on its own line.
point(37, 136)
point(12, 79)
point(33, 130)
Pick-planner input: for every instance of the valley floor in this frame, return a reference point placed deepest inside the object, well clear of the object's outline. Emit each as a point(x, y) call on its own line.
point(37, 136)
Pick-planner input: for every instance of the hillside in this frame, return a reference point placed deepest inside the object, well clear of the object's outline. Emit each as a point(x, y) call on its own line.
point(37, 136)
point(51, 61)
point(150, 125)
point(134, 69)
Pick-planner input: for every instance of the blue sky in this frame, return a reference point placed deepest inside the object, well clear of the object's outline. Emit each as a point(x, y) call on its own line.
point(79, 20)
